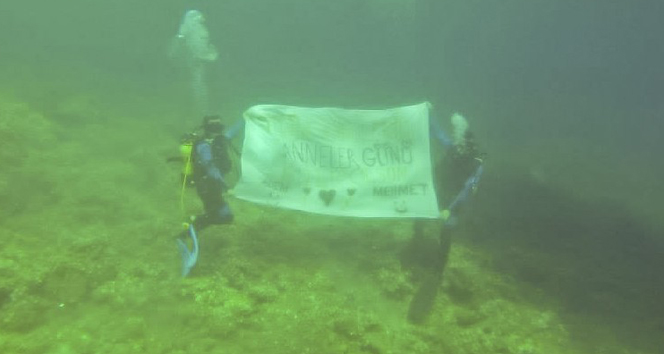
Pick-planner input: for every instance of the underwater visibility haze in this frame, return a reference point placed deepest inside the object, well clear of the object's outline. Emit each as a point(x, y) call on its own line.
point(559, 249)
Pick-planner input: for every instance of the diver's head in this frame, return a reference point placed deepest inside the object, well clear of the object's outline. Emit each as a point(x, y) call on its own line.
point(467, 151)
point(194, 16)
point(212, 126)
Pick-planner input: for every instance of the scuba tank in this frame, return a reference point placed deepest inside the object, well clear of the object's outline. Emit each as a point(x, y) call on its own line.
point(187, 158)
point(186, 147)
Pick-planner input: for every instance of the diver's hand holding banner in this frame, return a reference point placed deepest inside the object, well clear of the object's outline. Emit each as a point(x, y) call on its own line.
point(363, 163)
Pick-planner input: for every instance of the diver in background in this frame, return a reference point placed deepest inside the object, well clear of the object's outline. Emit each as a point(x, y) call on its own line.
point(191, 47)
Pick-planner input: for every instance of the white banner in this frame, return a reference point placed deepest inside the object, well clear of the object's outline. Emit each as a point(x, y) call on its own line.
point(363, 163)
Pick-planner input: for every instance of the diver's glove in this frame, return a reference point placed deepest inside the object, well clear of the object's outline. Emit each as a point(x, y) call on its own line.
point(215, 174)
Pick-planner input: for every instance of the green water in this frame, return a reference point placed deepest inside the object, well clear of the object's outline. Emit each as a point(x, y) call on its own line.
point(559, 253)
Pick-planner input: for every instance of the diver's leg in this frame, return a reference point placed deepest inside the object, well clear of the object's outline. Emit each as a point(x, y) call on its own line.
point(217, 212)
point(445, 239)
point(418, 228)
point(213, 204)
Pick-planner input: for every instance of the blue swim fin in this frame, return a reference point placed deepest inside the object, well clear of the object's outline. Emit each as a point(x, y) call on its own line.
point(189, 258)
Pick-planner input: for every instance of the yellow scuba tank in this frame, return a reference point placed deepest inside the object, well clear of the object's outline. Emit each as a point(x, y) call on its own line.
point(186, 150)
point(185, 153)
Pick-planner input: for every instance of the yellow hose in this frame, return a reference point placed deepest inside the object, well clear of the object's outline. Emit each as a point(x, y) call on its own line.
point(185, 149)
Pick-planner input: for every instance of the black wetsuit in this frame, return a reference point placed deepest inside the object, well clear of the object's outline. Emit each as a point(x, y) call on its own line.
point(211, 162)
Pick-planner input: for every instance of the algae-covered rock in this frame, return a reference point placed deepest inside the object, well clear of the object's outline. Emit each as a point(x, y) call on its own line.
point(5, 296)
point(125, 291)
point(67, 284)
point(78, 109)
point(460, 286)
point(21, 128)
point(24, 313)
point(466, 317)
point(235, 312)
point(263, 292)
point(26, 140)
point(394, 282)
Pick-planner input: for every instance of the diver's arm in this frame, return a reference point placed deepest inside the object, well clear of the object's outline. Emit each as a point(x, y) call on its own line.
point(235, 129)
point(451, 212)
point(204, 158)
point(437, 132)
point(468, 187)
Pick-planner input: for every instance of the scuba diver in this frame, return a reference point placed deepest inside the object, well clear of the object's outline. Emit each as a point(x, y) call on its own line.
point(457, 174)
point(459, 170)
point(207, 162)
point(210, 162)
